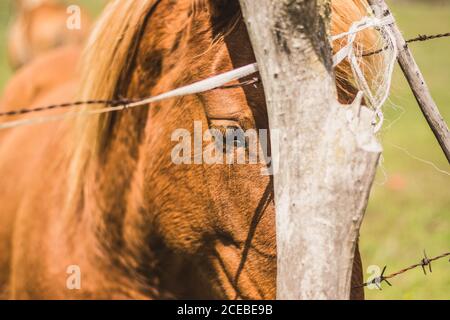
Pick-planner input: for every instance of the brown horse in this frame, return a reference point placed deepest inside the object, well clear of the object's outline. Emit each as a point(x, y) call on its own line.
point(102, 196)
point(42, 25)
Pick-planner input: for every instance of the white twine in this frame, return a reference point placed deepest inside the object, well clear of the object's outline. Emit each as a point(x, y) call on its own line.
point(377, 100)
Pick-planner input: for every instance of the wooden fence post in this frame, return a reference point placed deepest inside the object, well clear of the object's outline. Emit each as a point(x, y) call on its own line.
point(327, 152)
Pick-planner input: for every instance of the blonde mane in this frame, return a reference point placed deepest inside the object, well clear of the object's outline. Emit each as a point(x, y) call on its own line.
point(106, 56)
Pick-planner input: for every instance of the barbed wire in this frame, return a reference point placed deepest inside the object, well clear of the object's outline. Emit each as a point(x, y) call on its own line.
point(424, 263)
point(65, 105)
point(419, 38)
point(112, 103)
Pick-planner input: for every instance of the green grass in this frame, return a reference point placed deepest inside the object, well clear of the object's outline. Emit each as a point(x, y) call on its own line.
point(410, 211)
point(5, 17)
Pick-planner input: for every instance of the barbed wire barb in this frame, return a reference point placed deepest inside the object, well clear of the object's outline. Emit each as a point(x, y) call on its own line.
point(426, 262)
point(419, 38)
point(423, 264)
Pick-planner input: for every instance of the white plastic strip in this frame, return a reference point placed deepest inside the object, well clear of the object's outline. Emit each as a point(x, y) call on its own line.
point(195, 88)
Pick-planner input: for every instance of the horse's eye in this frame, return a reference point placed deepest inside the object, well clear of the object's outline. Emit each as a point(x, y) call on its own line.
point(235, 136)
point(232, 134)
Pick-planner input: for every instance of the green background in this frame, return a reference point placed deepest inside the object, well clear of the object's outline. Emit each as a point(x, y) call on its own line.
point(409, 208)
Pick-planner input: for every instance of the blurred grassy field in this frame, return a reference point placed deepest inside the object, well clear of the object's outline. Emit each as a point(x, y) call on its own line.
point(7, 15)
point(409, 210)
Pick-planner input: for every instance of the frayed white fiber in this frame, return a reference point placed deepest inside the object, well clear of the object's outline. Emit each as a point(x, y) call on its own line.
point(374, 98)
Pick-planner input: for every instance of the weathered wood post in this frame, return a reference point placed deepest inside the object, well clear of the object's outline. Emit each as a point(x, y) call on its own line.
point(327, 152)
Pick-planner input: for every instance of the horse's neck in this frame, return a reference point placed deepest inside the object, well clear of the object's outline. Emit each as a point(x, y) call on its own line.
point(113, 208)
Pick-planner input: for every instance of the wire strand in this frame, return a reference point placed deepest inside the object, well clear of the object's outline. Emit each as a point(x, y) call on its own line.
point(419, 38)
point(114, 103)
point(220, 81)
point(423, 263)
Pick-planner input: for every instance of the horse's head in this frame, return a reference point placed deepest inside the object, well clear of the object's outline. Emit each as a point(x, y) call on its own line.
point(208, 227)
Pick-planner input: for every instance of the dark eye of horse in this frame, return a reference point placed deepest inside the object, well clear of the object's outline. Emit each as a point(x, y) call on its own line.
point(234, 137)
point(231, 134)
